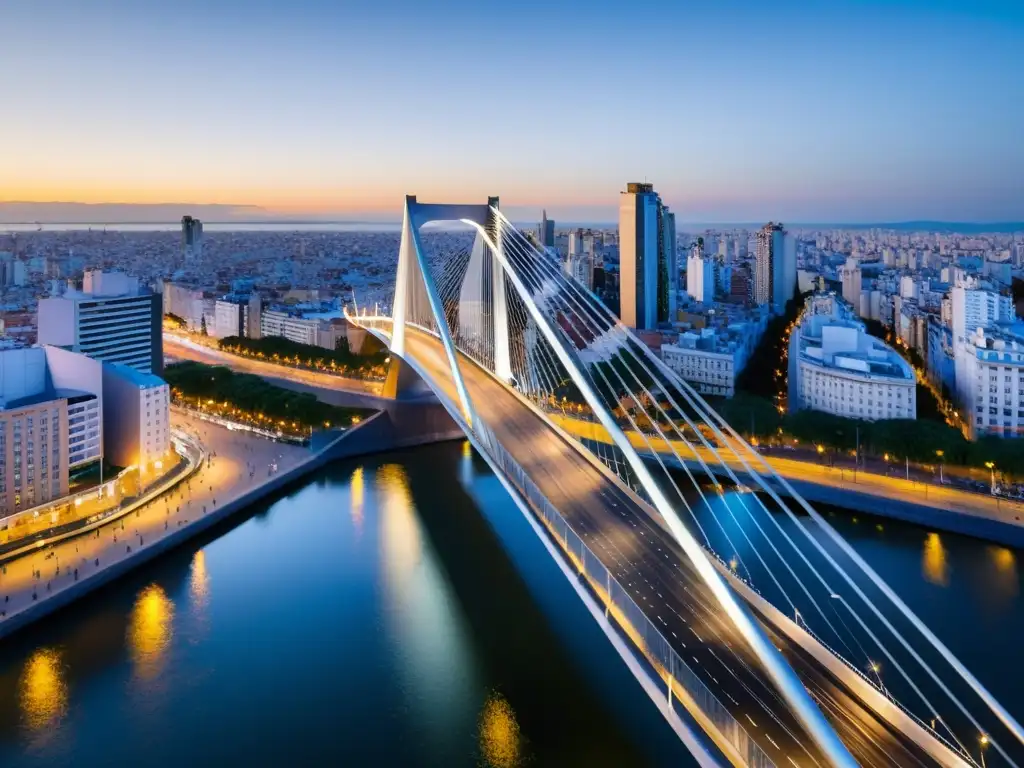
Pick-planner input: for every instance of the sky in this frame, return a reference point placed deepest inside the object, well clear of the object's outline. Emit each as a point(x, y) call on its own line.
point(736, 110)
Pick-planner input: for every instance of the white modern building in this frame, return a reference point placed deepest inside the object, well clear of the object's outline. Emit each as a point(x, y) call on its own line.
point(110, 319)
point(975, 308)
point(710, 359)
point(700, 277)
point(185, 302)
point(298, 329)
point(50, 423)
point(231, 318)
point(836, 367)
point(850, 275)
point(137, 432)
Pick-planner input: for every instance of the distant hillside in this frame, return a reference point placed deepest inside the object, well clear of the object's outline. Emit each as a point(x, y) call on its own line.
point(123, 213)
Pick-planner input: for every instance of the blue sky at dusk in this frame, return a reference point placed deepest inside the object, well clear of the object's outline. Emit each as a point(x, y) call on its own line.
point(737, 111)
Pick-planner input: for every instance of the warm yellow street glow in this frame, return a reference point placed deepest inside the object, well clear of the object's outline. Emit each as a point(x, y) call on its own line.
point(357, 490)
point(499, 733)
point(150, 631)
point(44, 694)
point(199, 584)
point(934, 566)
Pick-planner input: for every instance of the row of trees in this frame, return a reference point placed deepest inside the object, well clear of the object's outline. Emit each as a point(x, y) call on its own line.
point(249, 398)
point(340, 360)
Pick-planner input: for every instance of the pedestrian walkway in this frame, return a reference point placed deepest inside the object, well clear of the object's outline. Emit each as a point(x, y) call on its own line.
point(235, 464)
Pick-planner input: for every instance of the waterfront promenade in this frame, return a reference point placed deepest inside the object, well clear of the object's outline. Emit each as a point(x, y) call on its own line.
point(236, 464)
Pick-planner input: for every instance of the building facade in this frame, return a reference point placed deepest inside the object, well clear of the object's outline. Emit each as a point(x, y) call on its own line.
point(138, 431)
point(110, 319)
point(191, 238)
point(836, 367)
point(647, 258)
point(231, 318)
point(774, 267)
point(850, 276)
point(298, 329)
point(546, 231)
point(700, 277)
point(50, 423)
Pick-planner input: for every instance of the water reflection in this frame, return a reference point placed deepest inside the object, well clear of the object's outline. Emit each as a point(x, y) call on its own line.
point(935, 562)
point(499, 733)
point(466, 464)
point(44, 693)
point(357, 493)
point(199, 584)
point(150, 630)
point(437, 663)
point(1005, 582)
point(401, 530)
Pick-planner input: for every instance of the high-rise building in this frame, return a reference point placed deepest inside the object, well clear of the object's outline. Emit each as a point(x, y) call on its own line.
point(110, 319)
point(546, 231)
point(974, 309)
point(700, 276)
point(775, 267)
point(191, 238)
point(647, 258)
point(850, 276)
point(575, 244)
point(668, 270)
point(255, 315)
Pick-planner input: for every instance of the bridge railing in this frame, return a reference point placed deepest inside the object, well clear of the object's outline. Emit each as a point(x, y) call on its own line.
point(648, 639)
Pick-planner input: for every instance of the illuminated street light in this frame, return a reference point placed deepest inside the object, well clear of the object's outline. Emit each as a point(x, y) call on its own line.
point(940, 453)
point(992, 469)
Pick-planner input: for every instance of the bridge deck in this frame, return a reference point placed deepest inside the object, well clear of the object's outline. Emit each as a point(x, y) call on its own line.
point(648, 562)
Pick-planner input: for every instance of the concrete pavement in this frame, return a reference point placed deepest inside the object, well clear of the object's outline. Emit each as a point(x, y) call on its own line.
point(238, 463)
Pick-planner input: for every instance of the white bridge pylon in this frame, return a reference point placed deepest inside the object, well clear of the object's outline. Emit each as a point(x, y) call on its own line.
point(417, 299)
point(511, 308)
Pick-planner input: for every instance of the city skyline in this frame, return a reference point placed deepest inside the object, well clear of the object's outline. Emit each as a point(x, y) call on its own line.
point(848, 114)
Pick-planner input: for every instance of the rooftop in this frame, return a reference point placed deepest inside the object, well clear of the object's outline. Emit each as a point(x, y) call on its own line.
point(138, 378)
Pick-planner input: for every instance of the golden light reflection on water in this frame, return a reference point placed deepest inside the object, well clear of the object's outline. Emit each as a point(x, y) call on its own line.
point(935, 564)
point(150, 630)
point(44, 694)
point(401, 531)
point(199, 584)
point(466, 464)
point(357, 492)
point(1006, 582)
point(499, 733)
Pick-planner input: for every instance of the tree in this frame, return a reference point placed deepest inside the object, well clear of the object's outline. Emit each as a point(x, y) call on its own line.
point(202, 328)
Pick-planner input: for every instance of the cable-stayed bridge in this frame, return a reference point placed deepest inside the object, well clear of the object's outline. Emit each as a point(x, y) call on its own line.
point(746, 610)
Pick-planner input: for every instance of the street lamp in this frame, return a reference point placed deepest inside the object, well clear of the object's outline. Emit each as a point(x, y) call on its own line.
point(984, 743)
point(940, 454)
point(992, 469)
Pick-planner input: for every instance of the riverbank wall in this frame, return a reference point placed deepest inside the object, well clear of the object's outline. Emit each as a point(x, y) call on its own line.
point(400, 425)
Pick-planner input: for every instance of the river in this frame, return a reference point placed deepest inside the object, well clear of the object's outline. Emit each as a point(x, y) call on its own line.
point(399, 610)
